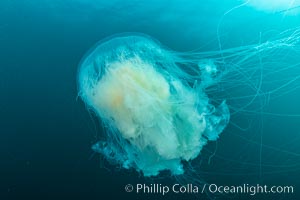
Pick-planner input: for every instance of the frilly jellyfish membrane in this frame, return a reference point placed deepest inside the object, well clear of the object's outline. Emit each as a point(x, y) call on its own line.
point(160, 107)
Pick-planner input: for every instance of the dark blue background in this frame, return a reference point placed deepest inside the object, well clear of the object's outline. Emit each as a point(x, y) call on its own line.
point(46, 133)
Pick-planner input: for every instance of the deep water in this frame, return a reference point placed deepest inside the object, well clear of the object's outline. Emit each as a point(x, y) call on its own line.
point(46, 133)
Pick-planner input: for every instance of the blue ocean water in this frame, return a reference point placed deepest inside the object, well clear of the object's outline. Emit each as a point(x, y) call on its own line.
point(46, 133)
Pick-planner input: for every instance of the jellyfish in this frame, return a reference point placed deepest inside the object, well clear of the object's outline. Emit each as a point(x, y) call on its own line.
point(159, 107)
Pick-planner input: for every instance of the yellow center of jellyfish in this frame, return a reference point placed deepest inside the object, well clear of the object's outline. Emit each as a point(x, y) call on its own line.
point(137, 99)
point(127, 88)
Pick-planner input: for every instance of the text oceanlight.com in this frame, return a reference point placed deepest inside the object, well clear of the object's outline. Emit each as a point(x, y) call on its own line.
point(211, 188)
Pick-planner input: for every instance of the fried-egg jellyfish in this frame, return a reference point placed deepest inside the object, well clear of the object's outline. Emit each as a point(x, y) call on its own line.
point(159, 107)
